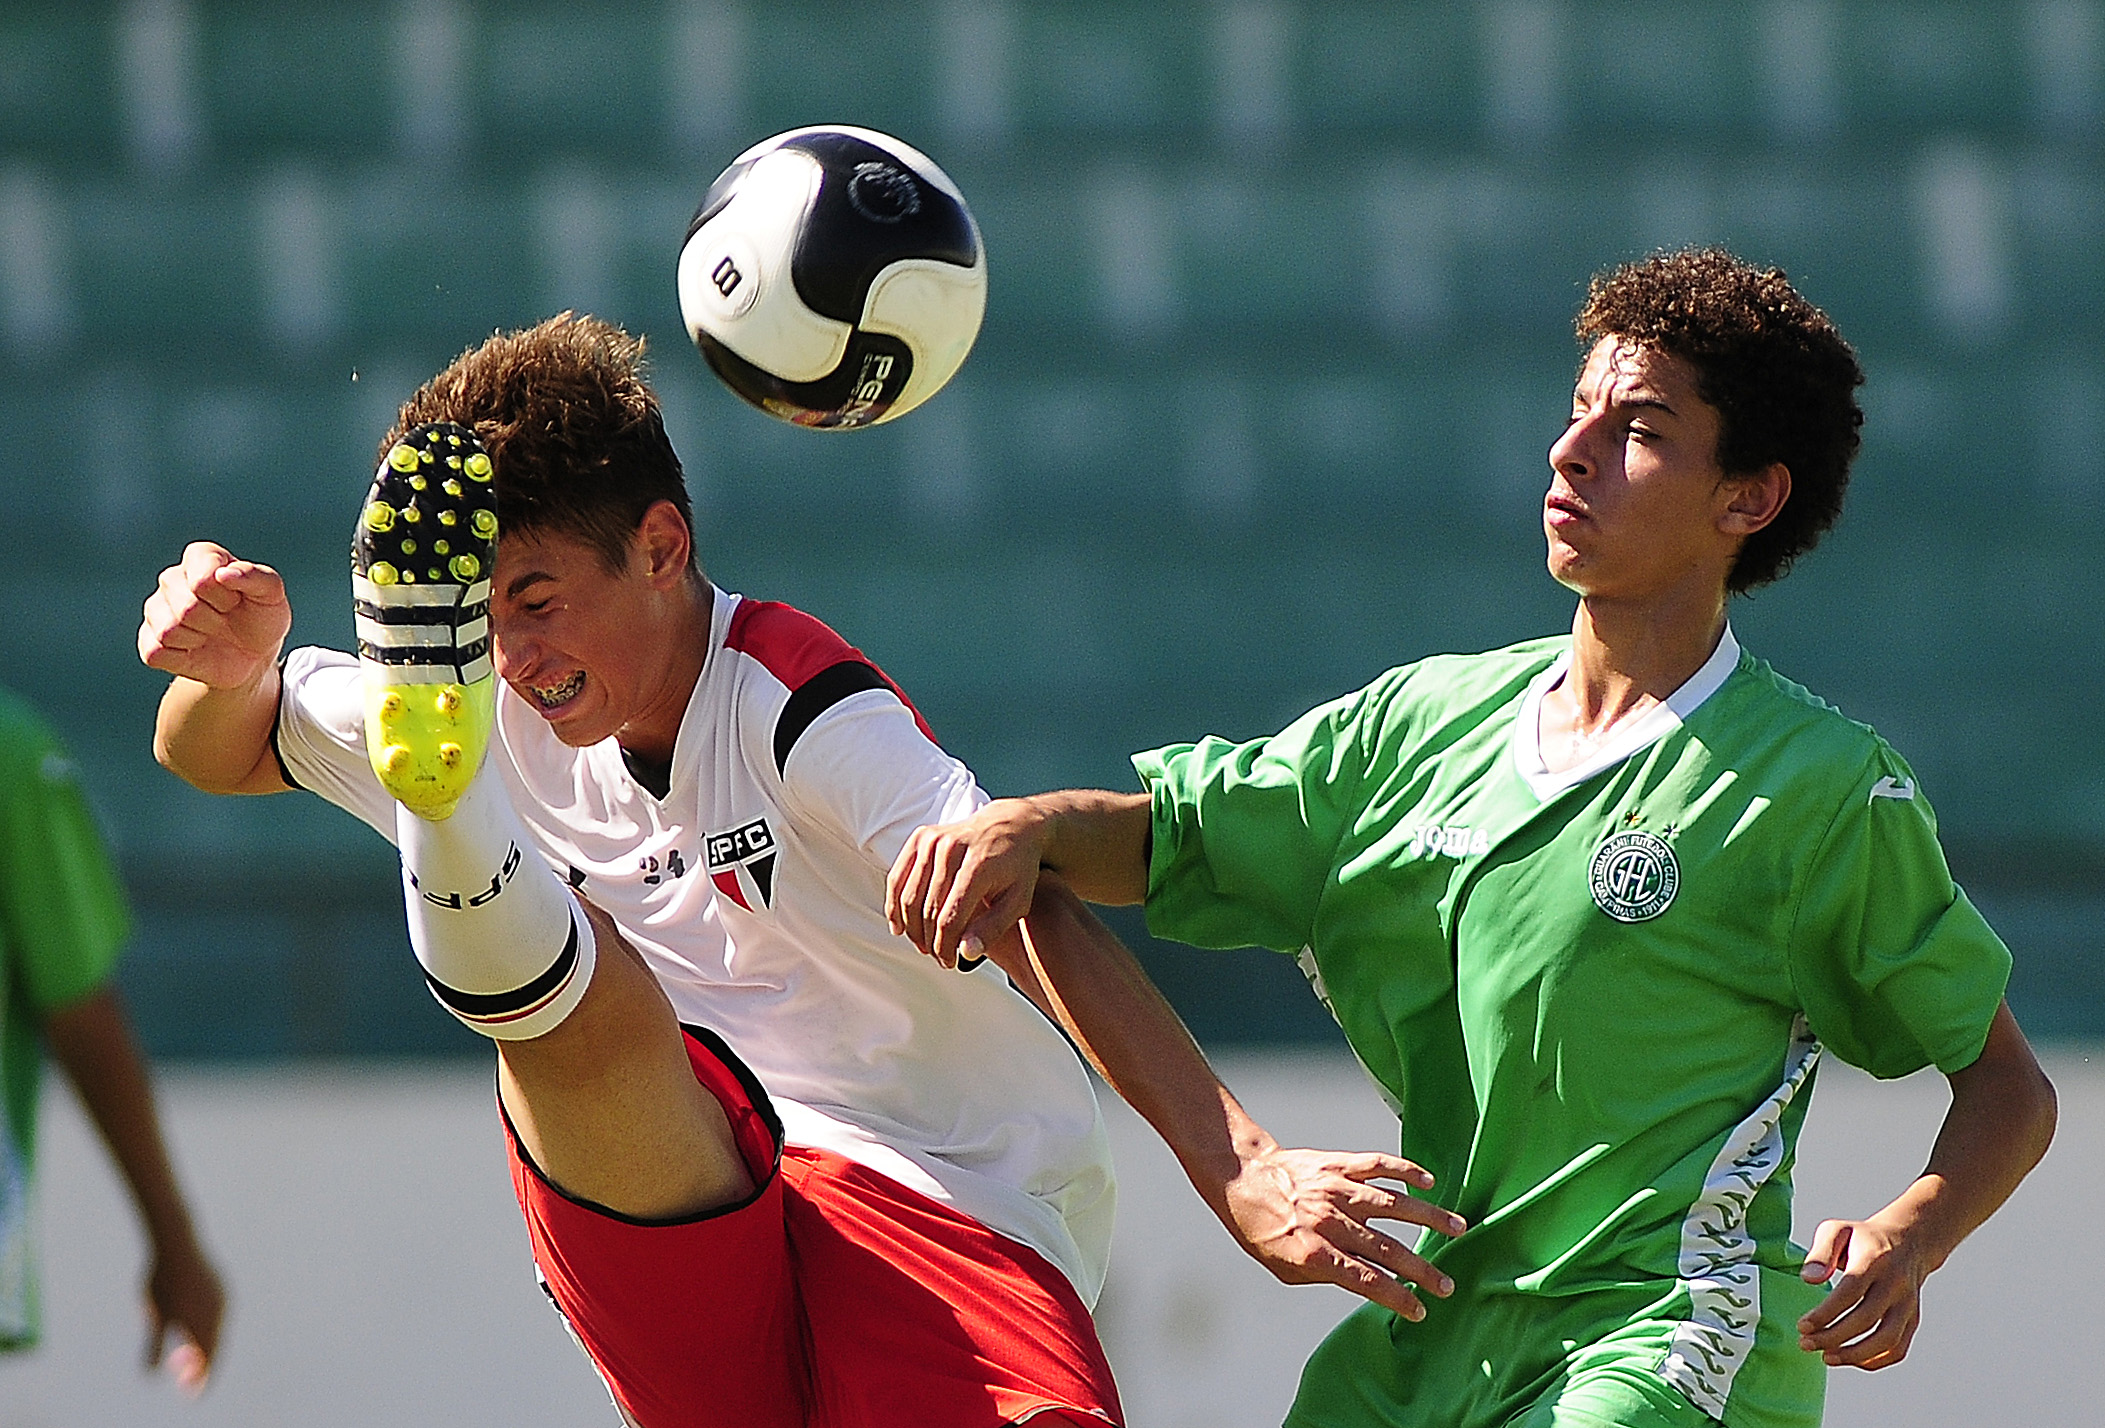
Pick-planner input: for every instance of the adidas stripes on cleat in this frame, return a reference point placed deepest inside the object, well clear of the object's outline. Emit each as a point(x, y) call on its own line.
point(421, 563)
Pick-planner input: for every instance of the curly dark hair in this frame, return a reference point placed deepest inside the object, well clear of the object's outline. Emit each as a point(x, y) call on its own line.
point(572, 426)
point(1782, 378)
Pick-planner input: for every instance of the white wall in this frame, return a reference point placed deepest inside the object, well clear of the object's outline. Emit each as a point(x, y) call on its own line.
point(379, 1270)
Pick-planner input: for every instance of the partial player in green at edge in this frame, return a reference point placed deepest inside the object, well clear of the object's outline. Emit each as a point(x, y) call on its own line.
point(1590, 909)
point(63, 924)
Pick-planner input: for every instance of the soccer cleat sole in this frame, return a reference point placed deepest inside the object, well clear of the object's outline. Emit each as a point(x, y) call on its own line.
point(420, 578)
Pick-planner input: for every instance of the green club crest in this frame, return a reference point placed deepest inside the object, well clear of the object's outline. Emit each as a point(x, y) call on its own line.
point(1634, 876)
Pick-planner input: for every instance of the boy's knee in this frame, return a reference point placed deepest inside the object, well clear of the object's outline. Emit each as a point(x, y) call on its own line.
point(536, 1006)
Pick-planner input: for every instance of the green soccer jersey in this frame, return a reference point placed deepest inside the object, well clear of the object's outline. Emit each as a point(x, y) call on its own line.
point(1595, 999)
point(62, 922)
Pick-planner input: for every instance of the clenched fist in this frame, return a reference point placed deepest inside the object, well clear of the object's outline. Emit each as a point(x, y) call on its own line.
point(215, 619)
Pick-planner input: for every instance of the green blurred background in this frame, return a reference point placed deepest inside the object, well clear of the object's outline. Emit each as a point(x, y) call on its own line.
point(1279, 333)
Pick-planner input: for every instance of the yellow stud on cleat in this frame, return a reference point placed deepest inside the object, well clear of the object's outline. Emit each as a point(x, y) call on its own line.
point(430, 744)
point(423, 628)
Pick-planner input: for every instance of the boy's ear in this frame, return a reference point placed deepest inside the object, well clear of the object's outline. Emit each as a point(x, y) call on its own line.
point(1756, 500)
point(664, 544)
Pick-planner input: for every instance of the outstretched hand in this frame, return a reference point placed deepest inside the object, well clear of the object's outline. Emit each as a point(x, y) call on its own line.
point(1303, 1215)
point(214, 618)
point(1872, 1311)
point(956, 888)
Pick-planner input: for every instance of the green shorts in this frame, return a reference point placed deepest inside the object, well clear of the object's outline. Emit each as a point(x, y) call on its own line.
point(1613, 1393)
point(1508, 1360)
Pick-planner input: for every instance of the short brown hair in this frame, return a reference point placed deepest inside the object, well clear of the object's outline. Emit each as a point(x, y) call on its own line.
point(1783, 380)
point(571, 425)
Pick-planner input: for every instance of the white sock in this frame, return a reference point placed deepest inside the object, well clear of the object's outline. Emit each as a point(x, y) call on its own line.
point(504, 944)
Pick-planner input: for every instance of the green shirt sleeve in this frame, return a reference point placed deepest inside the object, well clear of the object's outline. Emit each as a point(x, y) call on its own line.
point(1894, 967)
point(62, 910)
point(1245, 834)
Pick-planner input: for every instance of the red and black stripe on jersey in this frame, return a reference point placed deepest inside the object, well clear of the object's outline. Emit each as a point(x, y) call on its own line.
point(817, 666)
point(819, 669)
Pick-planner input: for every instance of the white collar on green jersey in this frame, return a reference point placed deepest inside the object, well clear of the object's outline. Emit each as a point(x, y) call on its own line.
point(1627, 738)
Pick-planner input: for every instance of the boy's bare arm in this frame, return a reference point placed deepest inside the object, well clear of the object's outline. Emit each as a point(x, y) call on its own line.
point(1303, 1214)
point(2000, 1122)
point(217, 624)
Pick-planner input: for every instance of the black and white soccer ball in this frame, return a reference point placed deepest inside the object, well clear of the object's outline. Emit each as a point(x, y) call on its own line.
point(833, 277)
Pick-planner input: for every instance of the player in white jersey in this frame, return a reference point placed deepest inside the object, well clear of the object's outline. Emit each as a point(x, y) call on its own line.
point(749, 879)
point(777, 1167)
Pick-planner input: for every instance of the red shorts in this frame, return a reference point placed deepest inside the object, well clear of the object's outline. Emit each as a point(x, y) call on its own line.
point(833, 1298)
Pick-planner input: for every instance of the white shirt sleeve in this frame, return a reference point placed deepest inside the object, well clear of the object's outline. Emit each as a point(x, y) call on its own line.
point(320, 735)
point(865, 769)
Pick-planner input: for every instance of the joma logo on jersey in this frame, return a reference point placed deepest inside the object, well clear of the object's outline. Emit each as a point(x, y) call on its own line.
point(1634, 876)
point(1447, 840)
point(744, 858)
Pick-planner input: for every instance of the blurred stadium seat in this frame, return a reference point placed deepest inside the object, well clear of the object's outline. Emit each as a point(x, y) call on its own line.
point(1279, 333)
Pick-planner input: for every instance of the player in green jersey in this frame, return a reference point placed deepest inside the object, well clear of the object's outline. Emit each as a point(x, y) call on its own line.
point(63, 922)
point(1590, 909)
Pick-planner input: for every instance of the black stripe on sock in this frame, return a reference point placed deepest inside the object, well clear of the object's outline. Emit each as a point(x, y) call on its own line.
point(815, 696)
point(418, 614)
point(483, 1005)
point(424, 654)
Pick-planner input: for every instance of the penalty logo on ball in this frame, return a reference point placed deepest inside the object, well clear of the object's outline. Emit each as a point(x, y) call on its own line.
point(1634, 876)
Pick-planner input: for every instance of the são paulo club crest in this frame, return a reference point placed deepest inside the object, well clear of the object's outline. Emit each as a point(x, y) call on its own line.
point(742, 864)
point(1634, 876)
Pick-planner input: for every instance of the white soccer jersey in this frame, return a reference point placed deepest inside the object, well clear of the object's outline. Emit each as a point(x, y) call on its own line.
point(755, 890)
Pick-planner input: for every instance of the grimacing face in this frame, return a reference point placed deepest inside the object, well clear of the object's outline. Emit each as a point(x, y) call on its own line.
point(581, 644)
point(1637, 504)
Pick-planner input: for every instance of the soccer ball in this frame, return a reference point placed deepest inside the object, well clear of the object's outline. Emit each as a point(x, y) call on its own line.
point(833, 277)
